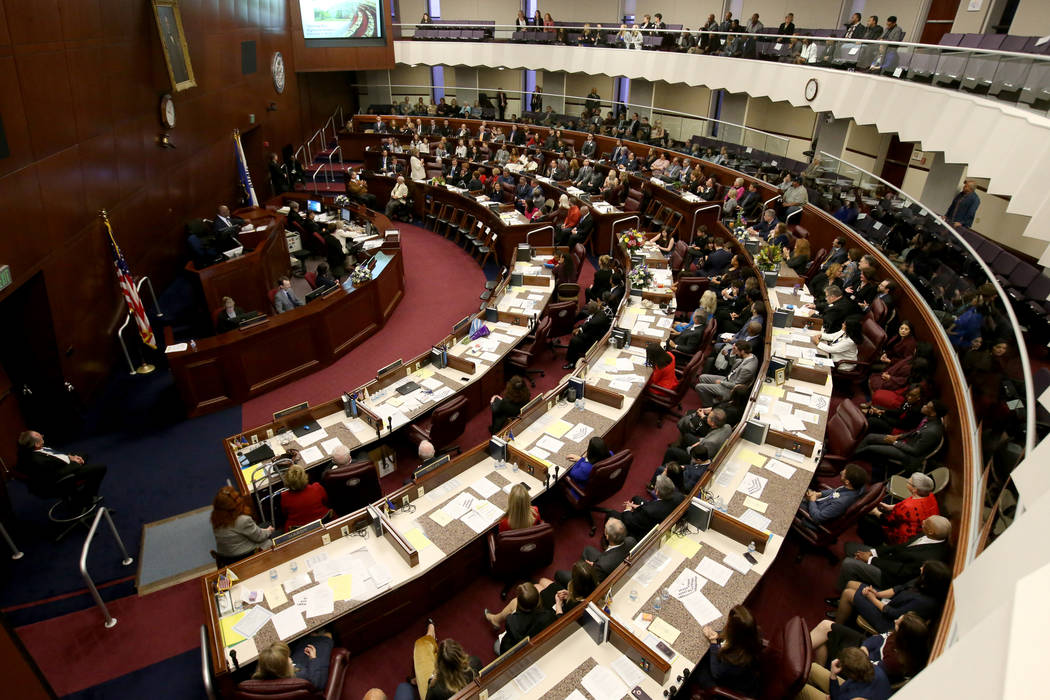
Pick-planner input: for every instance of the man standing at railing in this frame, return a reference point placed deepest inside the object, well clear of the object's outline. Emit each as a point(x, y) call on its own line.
point(964, 206)
point(501, 104)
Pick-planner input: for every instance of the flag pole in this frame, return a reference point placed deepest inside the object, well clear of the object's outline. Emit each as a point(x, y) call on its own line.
point(144, 367)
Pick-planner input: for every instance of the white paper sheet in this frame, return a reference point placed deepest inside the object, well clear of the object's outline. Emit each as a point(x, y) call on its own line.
point(380, 575)
point(484, 488)
point(529, 678)
point(296, 582)
point(603, 684)
point(316, 601)
point(620, 385)
point(626, 669)
point(475, 521)
point(539, 454)
point(330, 445)
point(288, 622)
point(550, 444)
point(793, 423)
point(311, 455)
point(738, 562)
point(701, 608)
point(713, 571)
point(459, 505)
point(432, 384)
point(579, 433)
point(252, 621)
point(755, 520)
point(687, 583)
point(752, 485)
point(311, 437)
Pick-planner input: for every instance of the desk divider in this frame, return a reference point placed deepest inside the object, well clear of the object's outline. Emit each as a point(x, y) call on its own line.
point(813, 375)
point(527, 463)
point(658, 297)
point(514, 318)
point(810, 323)
point(395, 538)
point(458, 363)
point(736, 530)
point(790, 441)
point(535, 281)
point(640, 341)
point(603, 396)
point(654, 665)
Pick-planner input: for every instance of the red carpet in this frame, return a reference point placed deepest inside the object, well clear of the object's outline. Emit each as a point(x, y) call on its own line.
point(442, 285)
point(76, 651)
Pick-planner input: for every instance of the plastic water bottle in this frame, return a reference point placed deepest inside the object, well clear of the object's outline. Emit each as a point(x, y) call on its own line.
point(193, 345)
point(294, 566)
point(751, 548)
point(720, 504)
point(273, 574)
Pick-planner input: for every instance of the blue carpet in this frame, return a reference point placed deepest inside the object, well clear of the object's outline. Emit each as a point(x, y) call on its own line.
point(135, 456)
point(177, 678)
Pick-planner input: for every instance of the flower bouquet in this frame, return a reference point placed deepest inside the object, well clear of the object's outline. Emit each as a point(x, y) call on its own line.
point(360, 275)
point(632, 240)
point(640, 276)
point(438, 180)
point(341, 201)
point(769, 258)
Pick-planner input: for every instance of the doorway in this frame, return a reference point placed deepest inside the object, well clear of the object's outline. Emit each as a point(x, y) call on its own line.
point(939, 21)
point(898, 156)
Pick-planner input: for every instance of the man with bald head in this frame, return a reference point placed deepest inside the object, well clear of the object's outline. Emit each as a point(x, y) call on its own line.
point(893, 564)
point(225, 226)
point(604, 562)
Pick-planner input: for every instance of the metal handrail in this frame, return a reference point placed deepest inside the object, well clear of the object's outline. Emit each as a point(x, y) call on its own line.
point(612, 230)
point(765, 204)
point(209, 688)
point(692, 231)
point(102, 512)
point(156, 304)
point(542, 228)
point(339, 150)
point(16, 553)
point(313, 178)
point(780, 37)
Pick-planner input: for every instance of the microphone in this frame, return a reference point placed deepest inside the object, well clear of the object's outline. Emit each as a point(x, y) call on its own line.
point(233, 658)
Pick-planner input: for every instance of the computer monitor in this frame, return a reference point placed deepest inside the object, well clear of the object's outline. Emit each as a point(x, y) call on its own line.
point(498, 449)
point(392, 366)
point(344, 214)
point(313, 205)
point(320, 292)
point(699, 514)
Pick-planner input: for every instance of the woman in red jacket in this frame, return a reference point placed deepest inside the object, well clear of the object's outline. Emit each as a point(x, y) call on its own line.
point(663, 366)
point(303, 502)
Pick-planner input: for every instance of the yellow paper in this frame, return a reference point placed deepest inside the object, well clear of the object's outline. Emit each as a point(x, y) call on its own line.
point(440, 517)
point(395, 401)
point(755, 504)
point(417, 539)
point(772, 390)
point(611, 361)
point(229, 635)
point(780, 331)
point(752, 457)
point(663, 630)
point(686, 546)
point(275, 597)
point(558, 428)
point(425, 373)
point(340, 586)
point(250, 471)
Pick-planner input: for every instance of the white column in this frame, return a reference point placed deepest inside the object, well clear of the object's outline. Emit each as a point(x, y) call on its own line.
point(942, 183)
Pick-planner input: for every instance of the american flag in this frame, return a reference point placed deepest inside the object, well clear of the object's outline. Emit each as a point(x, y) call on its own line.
point(127, 287)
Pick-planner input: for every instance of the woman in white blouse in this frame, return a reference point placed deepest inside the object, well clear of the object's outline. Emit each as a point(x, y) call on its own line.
point(842, 344)
point(416, 169)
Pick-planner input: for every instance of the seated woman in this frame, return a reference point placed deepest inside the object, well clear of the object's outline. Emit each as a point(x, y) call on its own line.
point(899, 347)
point(665, 239)
point(852, 675)
point(780, 236)
point(923, 595)
point(520, 511)
point(899, 523)
point(309, 661)
point(842, 344)
point(663, 366)
point(229, 317)
point(564, 270)
point(732, 661)
point(886, 394)
point(659, 165)
point(581, 584)
point(602, 279)
point(236, 534)
point(453, 668)
point(800, 257)
point(580, 471)
point(901, 653)
point(504, 408)
point(303, 502)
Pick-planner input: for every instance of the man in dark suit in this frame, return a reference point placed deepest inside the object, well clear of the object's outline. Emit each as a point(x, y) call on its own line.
point(586, 335)
point(640, 518)
point(838, 308)
point(529, 619)
point(907, 450)
point(718, 259)
point(537, 100)
point(893, 564)
point(604, 562)
point(830, 503)
point(614, 296)
point(225, 228)
point(589, 147)
point(285, 299)
point(700, 448)
point(501, 104)
point(584, 176)
point(517, 136)
point(45, 468)
point(584, 227)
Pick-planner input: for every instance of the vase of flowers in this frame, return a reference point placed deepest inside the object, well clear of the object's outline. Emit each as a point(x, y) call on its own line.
point(360, 275)
point(438, 180)
point(632, 240)
point(769, 258)
point(341, 201)
point(640, 276)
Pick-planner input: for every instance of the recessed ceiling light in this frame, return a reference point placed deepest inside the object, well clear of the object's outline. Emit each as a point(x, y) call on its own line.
point(501, 67)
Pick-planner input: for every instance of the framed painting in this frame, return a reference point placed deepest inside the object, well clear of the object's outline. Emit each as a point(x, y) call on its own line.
point(173, 42)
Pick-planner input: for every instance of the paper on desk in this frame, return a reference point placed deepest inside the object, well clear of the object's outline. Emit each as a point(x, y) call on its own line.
point(701, 608)
point(177, 347)
point(780, 468)
point(476, 522)
point(750, 517)
point(713, 571)
point(443, 393)
point(620, 385)
point(687, 583)
point(752, 485)
point(603, 684)
point(806, 416)
point(557, 428)
point(792, 423)
point(686, 546)
point(624, 364)
point(288, 623)
point(316, 601)
point(538, 454)
point(330, 445)
point(488, 510)
point(484, 488)
point(627, 670)
point(311, 437)
point(342, 586)
point(228, 624)
point(311, 455)
point(738, 562)
point(296, 582)
point(275, 597)
point(440, 517)
point(755, 504)
point(550, 444)
point(575, 695)
point(772, 390)
point(663, 630)
point(579, 433)
point(380, 575)
point(459, 505)
point(529, 678)
point(751, 456)
point(432, 384)
point(727, 473)
point(490, 356)
point(417, 539)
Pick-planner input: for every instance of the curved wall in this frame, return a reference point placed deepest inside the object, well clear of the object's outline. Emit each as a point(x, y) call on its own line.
point(1007, 145)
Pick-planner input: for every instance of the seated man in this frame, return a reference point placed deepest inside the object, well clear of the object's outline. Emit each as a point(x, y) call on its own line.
point(700, 448)
point(639, 518)
point(586, 335)
point(713, 387)
point(619, 545)
point(398, 197)
point(529, 619)
point(44, 468)
point(908, 449)
point(285, 299)
point(893, 564)
point(830, 503)
point(225, 227)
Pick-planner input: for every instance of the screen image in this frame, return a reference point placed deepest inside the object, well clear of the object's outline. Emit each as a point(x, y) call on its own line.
point(342, 19)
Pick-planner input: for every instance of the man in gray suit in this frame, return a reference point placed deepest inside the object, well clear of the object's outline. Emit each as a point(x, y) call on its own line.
point(714, 387)
point(285, 299)
point(584, 176)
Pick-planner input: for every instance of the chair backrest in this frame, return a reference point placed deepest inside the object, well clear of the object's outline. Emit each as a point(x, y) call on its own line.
point(579, 254)
point(352, 486)
point(448, 422)
point(690, 289)
point(845, 429)
point(878, 311)
point(874, 333)
point(568, 291)
point(277, 689)
point(273, 293)
point(940, 477)
point(608, 476)
point(786, 661)
point(864, 503)
point(524, 550)
point(543, 329)
point(311, 279)
point(563, 317)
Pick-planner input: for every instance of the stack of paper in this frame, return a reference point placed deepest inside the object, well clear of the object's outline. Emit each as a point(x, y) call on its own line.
point(316, 601)
point(713, 571)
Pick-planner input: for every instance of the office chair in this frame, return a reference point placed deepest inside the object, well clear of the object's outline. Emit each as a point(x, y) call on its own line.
point(607, 478)
point(298, 688)
point(351, 486)
point(446, 424)
point(516, 554)
point(521, 358)
point(823, 535)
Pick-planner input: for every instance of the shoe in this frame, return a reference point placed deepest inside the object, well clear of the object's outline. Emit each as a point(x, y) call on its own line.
point(833, 602)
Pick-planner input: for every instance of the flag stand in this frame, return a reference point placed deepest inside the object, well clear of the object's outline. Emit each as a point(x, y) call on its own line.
point(136, 310)
point(145, 368)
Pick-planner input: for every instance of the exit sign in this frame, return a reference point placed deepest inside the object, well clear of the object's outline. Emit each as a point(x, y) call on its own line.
point(5, 276)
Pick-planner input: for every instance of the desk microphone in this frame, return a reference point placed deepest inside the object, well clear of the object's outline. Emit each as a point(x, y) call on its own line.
point(233, 658)
point(390, 423)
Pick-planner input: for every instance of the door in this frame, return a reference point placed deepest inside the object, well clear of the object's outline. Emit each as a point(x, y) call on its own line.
point(939, 21)
point(898, 155)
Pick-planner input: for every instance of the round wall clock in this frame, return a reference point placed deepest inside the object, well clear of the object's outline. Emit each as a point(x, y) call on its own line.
point(811, 89)
point(167, 112)
point(277, 71)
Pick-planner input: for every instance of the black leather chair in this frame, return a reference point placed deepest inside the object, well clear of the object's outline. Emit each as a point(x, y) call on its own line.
point(523, 357)
point(446, 424)
point(514, 555)
point(351, 486)
point(821, 536)
point(607, 478)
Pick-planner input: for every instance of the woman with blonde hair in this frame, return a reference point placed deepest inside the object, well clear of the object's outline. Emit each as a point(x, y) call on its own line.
point(520, 511)
point(800, 255)
point(453, 669)
point(236, 533)
point(303, 502)
point(709, 304)
point(602, 279)
point(309, 661)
